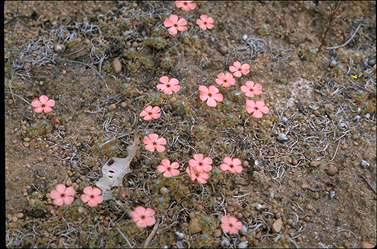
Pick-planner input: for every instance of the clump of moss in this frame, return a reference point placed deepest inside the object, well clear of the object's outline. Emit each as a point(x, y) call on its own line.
point(167, 63)
point(40, 128)
point(156, 43)
point(38, 209)
point(181, 108)
point(178, 189)
point(207, 226)
point(264, 30)
point(201, 132)
point(138, 60)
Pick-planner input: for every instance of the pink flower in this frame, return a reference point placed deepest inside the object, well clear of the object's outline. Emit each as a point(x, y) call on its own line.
point(185, 5)
point(92, 196)
point(250, 89)
point(150, 113)
point(211, 95)
point(168, 86)
point(62, 195)
point(232, 165)
point(197, 175)
point(201, 163)
point(230, 224)
point(43, 104)
point(238, 70)
point(168, 169)
point(205, 22)
point(152, 142)
point(225, 79)
point(175, 24)
point(256, 108)
point(143, 217)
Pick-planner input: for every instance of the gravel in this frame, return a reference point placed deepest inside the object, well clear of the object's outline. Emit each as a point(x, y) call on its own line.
point(282, 138)
point(364, 164)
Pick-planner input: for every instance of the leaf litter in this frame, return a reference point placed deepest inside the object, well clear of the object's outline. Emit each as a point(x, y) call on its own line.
point(114, 170)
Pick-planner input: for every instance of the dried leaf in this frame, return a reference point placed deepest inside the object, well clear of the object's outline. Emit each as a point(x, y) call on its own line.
point(115, 169)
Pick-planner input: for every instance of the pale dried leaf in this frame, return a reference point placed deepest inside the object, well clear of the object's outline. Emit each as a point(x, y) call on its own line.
point(115, 169)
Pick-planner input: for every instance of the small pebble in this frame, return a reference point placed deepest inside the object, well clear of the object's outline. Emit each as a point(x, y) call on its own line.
point(242, 245)
point(26, 144)
point(342, 125)
point(284, 120)
point(314, 164)
point(180, 235)
point(164, 190)
point(244, 37)
point(277, 226)
point(282, 138)
point(117, 65)
point(245, 164)
point(364, 164)
point(217, 233)
point(244, 230)
point(366, 245)
point(59, 48)
point(81, 210)
point(332, 194)
point(371, 62)
point(259, 206)
point(357, 118)
point(123, 104)
point(225, 242)
point(332, 63)
point(332, 170)
point(26, 139)
point(180, 244)
point(112, 107)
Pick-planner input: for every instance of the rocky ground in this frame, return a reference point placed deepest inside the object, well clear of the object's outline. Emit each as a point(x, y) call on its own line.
point(310, 178)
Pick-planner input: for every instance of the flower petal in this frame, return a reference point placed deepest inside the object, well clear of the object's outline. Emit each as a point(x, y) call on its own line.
point(68, 200)
point(50, 103)
point(60, 188)
point(88, 190)
point(47, 109)
point(84, 198)
point(70, 191)
point(54, 194)
point(38, 109)
point(257, 114)
point(58, 201)
point(36, 103)
point(173, 31)
point(96, 191)
point(150, 147)
point(160, 148)
point(43, 99)
point(149, 212)
point(211, 102)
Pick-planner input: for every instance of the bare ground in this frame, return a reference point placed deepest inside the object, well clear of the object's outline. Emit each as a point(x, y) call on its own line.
point(324, 101)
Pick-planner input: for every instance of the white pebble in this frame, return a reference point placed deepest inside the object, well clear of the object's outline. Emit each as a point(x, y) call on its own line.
point(364, 164)
point(242, 245)
point(244, 230)
point(225, 242)
point(282, 137)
